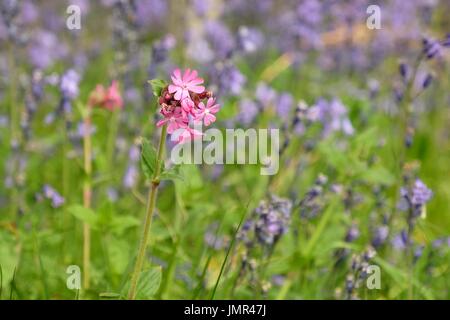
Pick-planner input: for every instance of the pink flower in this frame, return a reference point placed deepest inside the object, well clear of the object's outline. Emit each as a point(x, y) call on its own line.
point(182, 85)
point(188, 107)
point(113, 99)
point(206, 113)
point(187, 134)
point(174, 120)
point(109, 98)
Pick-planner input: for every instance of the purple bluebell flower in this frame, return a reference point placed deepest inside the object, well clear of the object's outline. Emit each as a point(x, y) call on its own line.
point(69, 84)
point(83, 131)
point(400, 241)
point(131, 177)
point(220, 38)
point(421, 194)
point(50, 193)
point(45, 49)
point(380, 236)
point(265, 94)
point(249, 111)
point(284, 105)
point(428, 79)
point(250, 39)
point(352, 233)
point(270, 220)
point(227, 79)
point(415, 198)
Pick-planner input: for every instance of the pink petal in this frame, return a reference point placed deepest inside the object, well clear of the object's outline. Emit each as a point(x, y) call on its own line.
point(196, 89)
point(173, 88)
point(176, 81)
point(178, 93)
point(160, 123)
point(186, 75)
point(195, 82)
point(214, 109)
point(177, 74)
point(209, 118)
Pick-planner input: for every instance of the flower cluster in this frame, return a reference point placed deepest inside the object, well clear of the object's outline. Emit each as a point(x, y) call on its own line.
point(185, 101)
point(51, 194)
point(107, 98)
point(269, 221)
point(415, 198)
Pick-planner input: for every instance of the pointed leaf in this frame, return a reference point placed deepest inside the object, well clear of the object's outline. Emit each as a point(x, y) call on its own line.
point(148, 284)
point(86, 215)
point(157, 86)
point(148, 158)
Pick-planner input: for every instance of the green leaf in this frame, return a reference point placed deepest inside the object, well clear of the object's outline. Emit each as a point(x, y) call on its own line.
point(120, 223)
point(148, 159)
point(148, 284)
point(378, 175)
point(86, 215)
point(157, 86)
point(172, 173)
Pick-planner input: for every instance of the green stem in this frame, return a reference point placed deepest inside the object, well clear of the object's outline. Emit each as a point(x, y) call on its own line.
point(14, 136)
point(87, 198)
point(112, 140)
point(151, 202)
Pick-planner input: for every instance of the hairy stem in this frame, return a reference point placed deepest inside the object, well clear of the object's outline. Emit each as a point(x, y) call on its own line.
point(151, 203)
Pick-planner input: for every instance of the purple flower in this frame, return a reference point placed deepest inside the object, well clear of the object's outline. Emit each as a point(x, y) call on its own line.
point(352, 233)
point(249, 111)
point(220, 39)
point(45, 49)
point(227, 78)
point(51, 194)
point(420, 193)
point(265, 94)
point(69, 84)
point(380, 236)
point(269, 221)
point(284, 105)
point(130, 178)
point(400, 241)
point(83, 131)
point(250, 39)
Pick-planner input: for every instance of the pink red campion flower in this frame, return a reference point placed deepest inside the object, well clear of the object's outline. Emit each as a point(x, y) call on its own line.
point(206, 113)
point(185, 101)
point(107, 98)
point(174, 120)
point(182, 85)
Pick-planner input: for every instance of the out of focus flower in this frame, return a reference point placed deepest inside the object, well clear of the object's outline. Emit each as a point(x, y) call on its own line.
point(400, 241)
point(50, 193)
point(250, 39)
point(269, 221)
point(380, 236)
point(265, 94)
point(107, 98)
point(45, 49)
point(332, 115)
point(227, 78)
point(248, 111)
point(69, 84)
point(416, 197)
point(284, 105)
